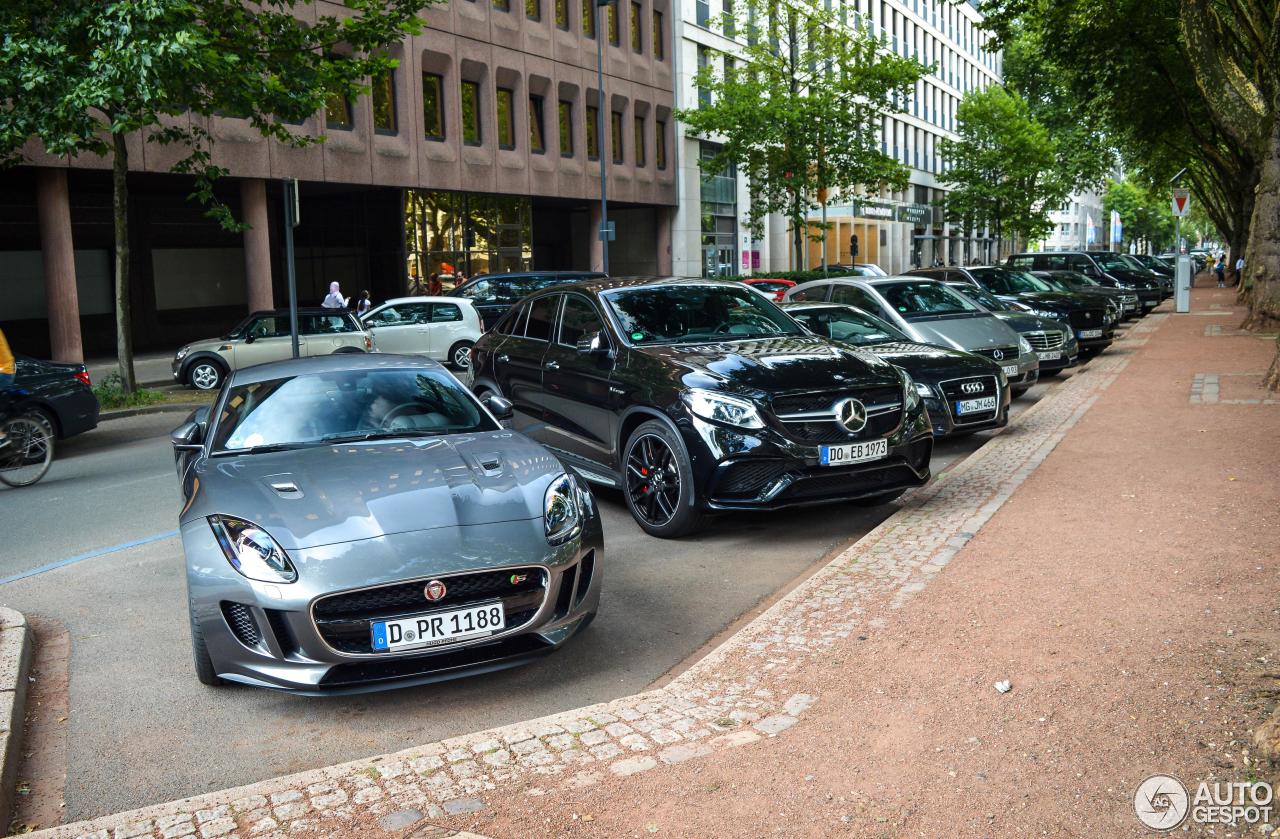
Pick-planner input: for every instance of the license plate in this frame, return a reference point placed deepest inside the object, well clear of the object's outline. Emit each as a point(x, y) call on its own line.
point(853, 452)
point(434, 628)
point(1049, 355)
point(975, 406)
point(1090, 333)
point(1010, 371)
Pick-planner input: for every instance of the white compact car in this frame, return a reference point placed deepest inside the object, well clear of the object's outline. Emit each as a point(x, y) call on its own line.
point(442, 328)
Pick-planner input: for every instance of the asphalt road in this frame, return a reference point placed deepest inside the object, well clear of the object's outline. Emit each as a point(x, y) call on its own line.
point(141, 729)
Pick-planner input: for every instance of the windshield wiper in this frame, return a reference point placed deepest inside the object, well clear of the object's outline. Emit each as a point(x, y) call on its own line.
point(379, 434)
point(263, 449)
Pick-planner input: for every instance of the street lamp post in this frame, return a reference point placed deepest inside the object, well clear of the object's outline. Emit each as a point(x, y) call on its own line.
point(603, 232)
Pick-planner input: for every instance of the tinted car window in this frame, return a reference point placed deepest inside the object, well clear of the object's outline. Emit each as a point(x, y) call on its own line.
point(1007, 282)
point(542, 314)
point(400, 315)
point(816, 292)
point(925, 299)
point(481, 291)
point(578, 319)
point(771, 286)
point(271, 326)
point(1111, 262)
point(691, 313)
point(981, 296)
point(855, 296)
point(1025, 261)
point(512, 323)
point(445, 312)
point(317, 408)
point(849, 325)
point(323, 324)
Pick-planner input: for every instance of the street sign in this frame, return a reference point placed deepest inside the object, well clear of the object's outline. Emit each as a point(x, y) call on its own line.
point(1181, 201)
point(608, 231)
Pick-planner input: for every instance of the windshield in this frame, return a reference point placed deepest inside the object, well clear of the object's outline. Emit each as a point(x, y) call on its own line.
point(1055, 283)
point(981, 296)
point(681, 314)
point(1004, 281)
point(320, 408)
point(845, 323)
point(924, 299)
point(1111, 261)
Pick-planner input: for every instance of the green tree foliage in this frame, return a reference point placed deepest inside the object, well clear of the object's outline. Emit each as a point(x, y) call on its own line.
point(1145, 215)
point(1004, 168)
point(79, 76)
point(800, 115)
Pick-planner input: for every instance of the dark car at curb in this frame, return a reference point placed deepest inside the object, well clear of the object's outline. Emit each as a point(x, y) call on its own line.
point(964, 392)
point(494, 294)
point(693, 396)
point(1103, 266)
point(1087, 318)
point(1054, 341)
point(1125, 302)
point(58, 391)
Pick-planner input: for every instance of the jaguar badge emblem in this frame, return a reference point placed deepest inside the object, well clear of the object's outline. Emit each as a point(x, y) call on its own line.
point(434, 591)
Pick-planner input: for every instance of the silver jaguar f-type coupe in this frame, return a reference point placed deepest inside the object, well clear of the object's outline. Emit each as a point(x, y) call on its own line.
point(355, 522)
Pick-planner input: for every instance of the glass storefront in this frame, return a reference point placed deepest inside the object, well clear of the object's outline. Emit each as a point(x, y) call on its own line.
point(473, 233)
point(719, 219)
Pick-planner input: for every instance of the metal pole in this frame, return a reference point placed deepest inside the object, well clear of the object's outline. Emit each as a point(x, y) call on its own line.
point(290, 221)
point(824, 235)
point(604, 189)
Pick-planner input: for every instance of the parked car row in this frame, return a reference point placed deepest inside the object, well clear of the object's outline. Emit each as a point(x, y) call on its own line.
point(353, 521)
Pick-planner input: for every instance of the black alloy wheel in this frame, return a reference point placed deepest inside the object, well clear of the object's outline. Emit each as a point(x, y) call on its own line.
point(659, 482)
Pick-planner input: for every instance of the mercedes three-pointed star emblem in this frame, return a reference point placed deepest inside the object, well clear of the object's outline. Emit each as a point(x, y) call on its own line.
point(851, 414)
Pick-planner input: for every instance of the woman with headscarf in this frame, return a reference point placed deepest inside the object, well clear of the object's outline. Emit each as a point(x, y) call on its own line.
point(334, 300)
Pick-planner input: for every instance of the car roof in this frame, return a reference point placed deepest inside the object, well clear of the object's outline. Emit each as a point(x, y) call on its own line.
point(302, 310)
point(423, 299)
point(332, 363)
point(549, 275)
point(609, 283)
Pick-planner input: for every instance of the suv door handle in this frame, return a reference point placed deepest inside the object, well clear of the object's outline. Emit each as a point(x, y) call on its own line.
point(552, 365)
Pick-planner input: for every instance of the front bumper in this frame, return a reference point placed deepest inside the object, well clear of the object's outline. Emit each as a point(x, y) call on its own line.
point(765, 469)
point(269, 635)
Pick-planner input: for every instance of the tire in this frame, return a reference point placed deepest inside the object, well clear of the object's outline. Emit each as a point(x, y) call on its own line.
point(206, 374)
point(28, 451)
point(460, 355)
point(877, 500)
point(346, 350)
point(1049, 374)
point(653, 459)
point(201, 659)
point(1018, 391)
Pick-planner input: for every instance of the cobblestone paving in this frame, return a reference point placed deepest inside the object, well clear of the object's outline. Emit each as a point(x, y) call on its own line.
point(738, 694)
point(1206, 390)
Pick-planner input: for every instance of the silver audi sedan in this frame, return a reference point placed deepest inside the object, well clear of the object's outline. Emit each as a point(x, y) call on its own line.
point(358, 522)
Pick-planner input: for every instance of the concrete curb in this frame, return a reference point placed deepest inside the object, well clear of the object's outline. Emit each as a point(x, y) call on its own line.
point(15, 665)
point(107, 416)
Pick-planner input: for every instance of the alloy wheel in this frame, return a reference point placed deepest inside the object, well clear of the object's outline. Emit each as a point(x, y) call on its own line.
point(653, 479)
point(462, 357)
point(205, 376)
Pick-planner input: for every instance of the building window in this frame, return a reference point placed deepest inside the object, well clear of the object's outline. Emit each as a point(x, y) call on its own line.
point(566, 128)
point(704, 59)
point(659, 40)
point(703, 12)
point(533, 9)
point(383, 93)
point(719, 205)
point(639, 142)
point(589, 18)
point(471, 113)
point(502, 5)
point(337, 111)
point(615, 135)
point(660, 144)
point(731, 23)
point(537, 142)
point(562, 14)
point(433, 106)
point(593, 132)
point(505, 101)
point(611, 18)
point(637, 37)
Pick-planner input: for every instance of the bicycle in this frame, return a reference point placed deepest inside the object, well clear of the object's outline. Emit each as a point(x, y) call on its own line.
point(26, 450)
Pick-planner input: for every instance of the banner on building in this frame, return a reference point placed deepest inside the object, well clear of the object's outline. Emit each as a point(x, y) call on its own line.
point(1117, 230)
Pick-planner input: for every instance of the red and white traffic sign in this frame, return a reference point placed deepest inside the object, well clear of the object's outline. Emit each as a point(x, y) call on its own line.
point(1181, 201)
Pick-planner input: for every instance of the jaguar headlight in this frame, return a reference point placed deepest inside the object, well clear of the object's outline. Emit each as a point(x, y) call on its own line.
point(719, 407)
point(1023, 344)
point(562, 510)
point(252, 551)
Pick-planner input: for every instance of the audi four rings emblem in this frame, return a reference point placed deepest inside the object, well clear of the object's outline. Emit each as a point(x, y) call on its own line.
point(852, 414)
point(997, 354)
point(972, 387)
point(434, 591)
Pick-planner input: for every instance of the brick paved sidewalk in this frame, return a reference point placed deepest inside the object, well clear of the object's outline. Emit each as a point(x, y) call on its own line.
point(699, 756)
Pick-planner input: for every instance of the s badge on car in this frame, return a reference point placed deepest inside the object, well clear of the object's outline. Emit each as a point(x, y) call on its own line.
point(852, 414)
point(435, 590)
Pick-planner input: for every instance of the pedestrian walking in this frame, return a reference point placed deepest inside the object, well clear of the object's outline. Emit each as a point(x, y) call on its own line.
point(435, 288)
point(1220, 268)
point(334, 300)
point(364, 304)
point(1239, 270)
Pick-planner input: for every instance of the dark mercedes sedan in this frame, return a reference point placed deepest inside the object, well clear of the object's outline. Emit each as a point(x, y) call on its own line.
point(964, 392)
point(58, 391)
point(693, 396)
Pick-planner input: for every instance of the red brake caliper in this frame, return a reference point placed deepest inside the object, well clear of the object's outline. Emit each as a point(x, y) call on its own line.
point(645, 472)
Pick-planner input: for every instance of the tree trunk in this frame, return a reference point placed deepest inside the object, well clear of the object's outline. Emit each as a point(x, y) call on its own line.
point(120, 214)
point(1262, 258)
point(1238, 239)
point(800, 233)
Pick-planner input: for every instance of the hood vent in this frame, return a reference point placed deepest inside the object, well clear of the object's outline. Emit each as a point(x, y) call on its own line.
point(285, 487)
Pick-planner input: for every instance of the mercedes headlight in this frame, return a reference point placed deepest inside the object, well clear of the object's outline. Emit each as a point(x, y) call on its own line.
point(718, 407)
point(252, 551)
point(911, 394)
point(1023, 344)
point(924, 390)
point(563, 512)
point(182, 353)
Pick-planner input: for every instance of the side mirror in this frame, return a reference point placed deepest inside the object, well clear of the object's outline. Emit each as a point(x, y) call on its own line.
point(499, 407)
point(250, 338)
point(591, 344)
point(186, 437)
